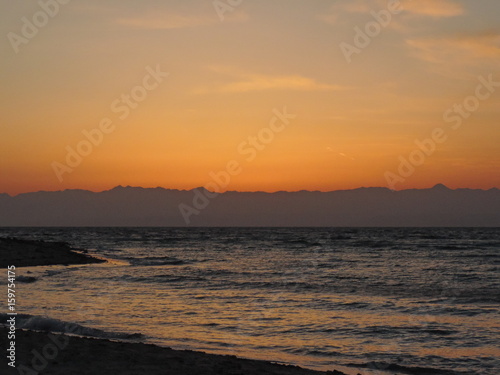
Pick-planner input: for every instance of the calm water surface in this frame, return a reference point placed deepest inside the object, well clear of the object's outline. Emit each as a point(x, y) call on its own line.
point(370, 300)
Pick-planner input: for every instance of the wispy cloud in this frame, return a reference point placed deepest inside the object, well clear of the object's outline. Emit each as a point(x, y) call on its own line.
point(263, 82)
point(434, 8)
point(244, 82)
point(458, 57)
point(427, 8)
point(468, 49)
point(163, 16)
point(165, 21)
point(354, 6)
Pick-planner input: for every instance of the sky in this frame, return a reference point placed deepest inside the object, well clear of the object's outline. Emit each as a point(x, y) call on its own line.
point(254, 95)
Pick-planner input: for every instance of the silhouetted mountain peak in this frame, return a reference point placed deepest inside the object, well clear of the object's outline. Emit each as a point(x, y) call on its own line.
point(441, 187)
point(121, 187)
point(128, 188)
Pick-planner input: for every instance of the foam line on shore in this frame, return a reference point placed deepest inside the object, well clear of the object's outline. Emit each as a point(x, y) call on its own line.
point(46, 324)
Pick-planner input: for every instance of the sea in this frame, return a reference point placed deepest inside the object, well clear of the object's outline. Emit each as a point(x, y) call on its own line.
point(360, 300)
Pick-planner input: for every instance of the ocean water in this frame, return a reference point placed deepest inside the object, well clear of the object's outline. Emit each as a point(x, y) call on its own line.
point(362, 300)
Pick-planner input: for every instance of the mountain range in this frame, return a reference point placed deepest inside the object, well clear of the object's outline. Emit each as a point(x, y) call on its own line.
point(365, 207)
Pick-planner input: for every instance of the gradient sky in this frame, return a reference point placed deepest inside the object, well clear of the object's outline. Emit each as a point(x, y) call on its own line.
point(354, 120)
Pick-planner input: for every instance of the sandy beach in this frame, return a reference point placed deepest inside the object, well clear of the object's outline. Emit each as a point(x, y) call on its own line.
point(50, 353)
point(55, 354)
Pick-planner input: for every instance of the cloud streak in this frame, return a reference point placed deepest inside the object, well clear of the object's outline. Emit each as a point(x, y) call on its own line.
point(243, 83)
point(434, 8)
point(171, 20)
point(262, 82)
point(165, 22)
point(421, 8)
point(470, 49)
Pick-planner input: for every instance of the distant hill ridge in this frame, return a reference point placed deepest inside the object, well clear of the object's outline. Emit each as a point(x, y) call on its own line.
point(137, 206)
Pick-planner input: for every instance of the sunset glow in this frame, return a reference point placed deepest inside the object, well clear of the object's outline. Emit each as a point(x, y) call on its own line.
point(183, 86)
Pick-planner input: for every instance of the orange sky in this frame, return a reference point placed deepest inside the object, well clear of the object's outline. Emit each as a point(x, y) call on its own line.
point(228, 74)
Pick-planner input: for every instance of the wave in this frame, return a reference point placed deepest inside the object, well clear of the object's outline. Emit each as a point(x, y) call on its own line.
point(318, 352)
point(45, 324)
point(384, 366)
point(26, 279)
point(481, 299)
point(157, 261)
point(168, 278)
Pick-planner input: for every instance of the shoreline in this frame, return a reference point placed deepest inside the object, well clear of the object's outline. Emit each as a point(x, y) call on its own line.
point(58, 354)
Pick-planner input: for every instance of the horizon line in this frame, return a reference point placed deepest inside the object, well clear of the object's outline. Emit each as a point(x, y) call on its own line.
point(436, 186)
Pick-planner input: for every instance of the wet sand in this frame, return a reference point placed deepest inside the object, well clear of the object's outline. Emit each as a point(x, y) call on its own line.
point(55, 354)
